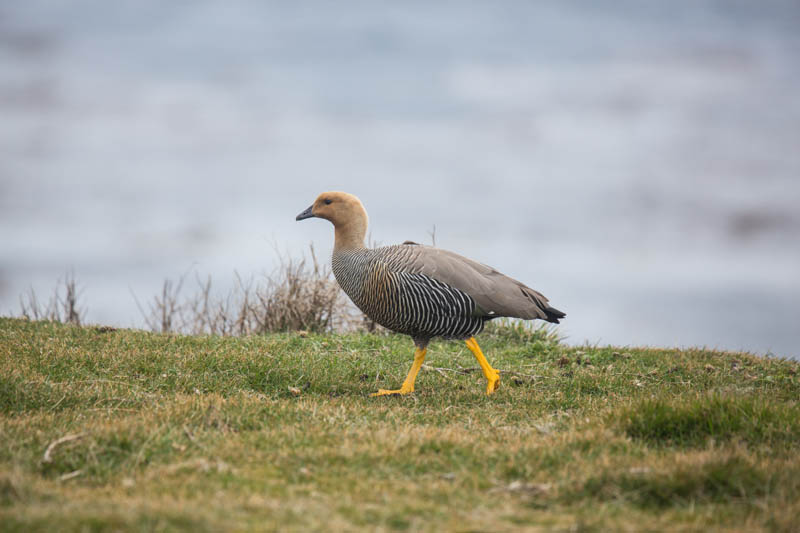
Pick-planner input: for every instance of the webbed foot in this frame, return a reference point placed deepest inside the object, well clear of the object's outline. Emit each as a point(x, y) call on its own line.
point(385, 392)
point(492, 382)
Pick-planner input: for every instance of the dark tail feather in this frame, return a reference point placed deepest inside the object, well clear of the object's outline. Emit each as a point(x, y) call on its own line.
point(553, 314)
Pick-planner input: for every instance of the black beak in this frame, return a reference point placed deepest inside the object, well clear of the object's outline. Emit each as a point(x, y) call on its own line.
point(305, 214)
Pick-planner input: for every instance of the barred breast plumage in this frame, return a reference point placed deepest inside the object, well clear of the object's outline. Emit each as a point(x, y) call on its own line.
point(422, 291)
point(383, 283)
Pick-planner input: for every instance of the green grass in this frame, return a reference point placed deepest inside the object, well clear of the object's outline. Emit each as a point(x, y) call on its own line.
point(278, 432)
point(755, 420)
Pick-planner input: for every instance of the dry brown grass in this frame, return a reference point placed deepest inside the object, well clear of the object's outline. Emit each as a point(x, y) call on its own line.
point(300, 295)
point(62, 306)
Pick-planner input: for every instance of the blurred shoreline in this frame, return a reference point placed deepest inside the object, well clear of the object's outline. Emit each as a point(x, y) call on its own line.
point(638, 164)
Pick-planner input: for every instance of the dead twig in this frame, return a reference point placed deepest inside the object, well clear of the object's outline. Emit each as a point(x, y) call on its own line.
point(469, 370)
point(300, 295)
point(432, 234)
point(48, 453)
point(439, 370)
point(533, 377)
point(59, 308)
point(537, 489)
point(459, 370)
point(70, 475)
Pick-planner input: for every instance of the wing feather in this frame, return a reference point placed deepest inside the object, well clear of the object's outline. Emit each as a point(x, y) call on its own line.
point(495, 293)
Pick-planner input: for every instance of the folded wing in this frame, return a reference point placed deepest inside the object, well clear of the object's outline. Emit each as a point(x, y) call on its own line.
point(495, 293)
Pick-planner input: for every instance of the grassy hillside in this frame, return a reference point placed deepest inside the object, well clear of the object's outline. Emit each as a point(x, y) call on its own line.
point(126, 430)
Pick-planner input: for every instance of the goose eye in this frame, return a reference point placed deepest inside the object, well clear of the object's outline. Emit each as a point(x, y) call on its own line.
point(328, 201)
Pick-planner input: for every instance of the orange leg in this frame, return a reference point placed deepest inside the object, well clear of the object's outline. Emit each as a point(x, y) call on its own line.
point(408, 384)
point(492, 375)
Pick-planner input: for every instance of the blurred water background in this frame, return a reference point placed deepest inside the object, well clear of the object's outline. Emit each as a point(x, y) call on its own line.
point(636, 161)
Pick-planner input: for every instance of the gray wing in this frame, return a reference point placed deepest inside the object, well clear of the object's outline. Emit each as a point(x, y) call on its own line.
point(495, 293)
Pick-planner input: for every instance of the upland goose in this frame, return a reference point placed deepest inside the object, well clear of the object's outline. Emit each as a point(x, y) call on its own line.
point(422, 291)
